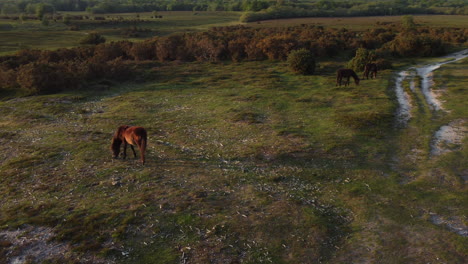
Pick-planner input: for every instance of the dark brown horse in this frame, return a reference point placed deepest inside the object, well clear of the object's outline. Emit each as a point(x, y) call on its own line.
point(372, 69)
point(133, 135)
point(346, 73)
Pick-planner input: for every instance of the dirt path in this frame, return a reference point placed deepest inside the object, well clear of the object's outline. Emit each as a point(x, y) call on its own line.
point(419, 101)
point(425, 73)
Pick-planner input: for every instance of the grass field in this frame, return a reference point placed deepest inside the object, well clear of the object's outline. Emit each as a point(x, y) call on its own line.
point(363, 23)
point(15, 35)
point(246, 163)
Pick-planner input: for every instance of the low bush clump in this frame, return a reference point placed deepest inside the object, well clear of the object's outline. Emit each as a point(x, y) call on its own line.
point(92, 39)
point(302, 61)
point(363, 56)
point(39, 78)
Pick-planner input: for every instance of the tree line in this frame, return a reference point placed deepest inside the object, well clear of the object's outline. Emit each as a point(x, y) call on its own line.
point(125, 6)
point(43, 71)
point(325, 8)
point(267, 8)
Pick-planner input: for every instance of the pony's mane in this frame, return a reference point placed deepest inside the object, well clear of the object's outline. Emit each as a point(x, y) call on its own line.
point(119, 132)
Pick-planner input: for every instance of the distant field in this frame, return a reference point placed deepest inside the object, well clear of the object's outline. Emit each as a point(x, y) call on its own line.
point(15, 35)
point(363, 23)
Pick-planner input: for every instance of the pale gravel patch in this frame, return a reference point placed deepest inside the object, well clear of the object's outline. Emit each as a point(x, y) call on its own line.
point(449, 137)
point(427, 82)
point(452, 223)
point(36, 244)
point(404, 100)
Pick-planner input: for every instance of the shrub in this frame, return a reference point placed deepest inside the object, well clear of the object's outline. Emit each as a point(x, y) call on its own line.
point(93, 39)
point(143, 51)
point(118, 70)
point(236, 48)
point(171, 48)
point(277, 47)
point(302, 61)
point(40, 78)
point(205, 47)
point(7, 79)
point(112, 51)
point(363, 56)
point(413, 45)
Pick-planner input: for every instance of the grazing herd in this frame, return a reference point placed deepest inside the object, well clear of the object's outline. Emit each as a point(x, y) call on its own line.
point(137, 136)
point(369, 69)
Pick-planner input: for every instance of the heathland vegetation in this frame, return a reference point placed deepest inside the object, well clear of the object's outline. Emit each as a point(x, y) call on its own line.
point(254, 154)
point(46, 71)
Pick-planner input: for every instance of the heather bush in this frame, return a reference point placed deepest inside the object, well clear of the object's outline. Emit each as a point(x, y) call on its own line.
point(7, 79)
point(40, 78)
point(413, 45)
point(145, 50)
point(363, 56)
point(302, 61)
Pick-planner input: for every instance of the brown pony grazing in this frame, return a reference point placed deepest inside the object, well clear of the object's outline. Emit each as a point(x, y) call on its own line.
point(372, 69)
point(346, 73)
point(133, 135)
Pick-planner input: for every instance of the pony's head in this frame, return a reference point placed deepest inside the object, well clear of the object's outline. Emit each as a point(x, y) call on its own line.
point(115, 147)
point(356, 80)
point(117, 141)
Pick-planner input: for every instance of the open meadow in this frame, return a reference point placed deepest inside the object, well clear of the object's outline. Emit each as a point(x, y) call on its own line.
point(247, 162)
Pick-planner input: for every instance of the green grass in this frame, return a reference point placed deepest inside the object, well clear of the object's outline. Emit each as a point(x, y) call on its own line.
point(363, 23)
point(246, 162)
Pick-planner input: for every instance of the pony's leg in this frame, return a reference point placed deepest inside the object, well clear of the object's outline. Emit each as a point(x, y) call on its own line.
point(125, 150)
point(142, 146)
point(133, 149)
point(142, 152)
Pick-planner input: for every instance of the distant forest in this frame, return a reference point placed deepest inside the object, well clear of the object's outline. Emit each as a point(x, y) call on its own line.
point(256, 9)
